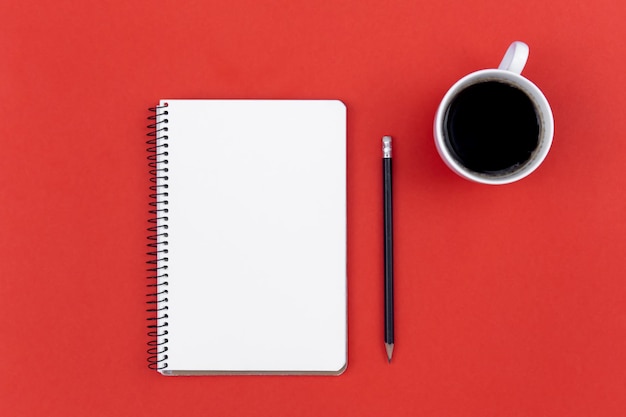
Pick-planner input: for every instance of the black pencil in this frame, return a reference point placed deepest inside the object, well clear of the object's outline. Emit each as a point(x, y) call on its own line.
point(388, 245)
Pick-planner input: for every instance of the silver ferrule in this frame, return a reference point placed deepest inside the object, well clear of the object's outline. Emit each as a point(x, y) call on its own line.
point(386, 146)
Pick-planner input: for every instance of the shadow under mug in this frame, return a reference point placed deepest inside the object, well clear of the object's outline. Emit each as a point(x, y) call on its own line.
point(480, 114)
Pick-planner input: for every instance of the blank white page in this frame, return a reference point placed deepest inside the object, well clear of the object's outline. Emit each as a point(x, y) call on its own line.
point(256, 237)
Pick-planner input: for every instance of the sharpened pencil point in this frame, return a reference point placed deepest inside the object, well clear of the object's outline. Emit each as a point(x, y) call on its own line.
point(389, 349)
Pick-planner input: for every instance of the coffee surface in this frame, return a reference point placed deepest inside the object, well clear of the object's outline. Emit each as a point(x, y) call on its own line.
point(492, 127)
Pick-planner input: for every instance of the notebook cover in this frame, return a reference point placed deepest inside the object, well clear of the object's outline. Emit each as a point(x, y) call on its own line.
point(251, 229)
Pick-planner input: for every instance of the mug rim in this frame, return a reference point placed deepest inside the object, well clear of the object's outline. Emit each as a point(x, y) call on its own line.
point(544, 114)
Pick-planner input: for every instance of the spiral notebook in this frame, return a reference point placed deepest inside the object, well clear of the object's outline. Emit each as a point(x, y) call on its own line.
point(248, 237)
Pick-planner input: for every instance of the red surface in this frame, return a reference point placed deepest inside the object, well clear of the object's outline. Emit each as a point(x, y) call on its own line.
point(511, 300)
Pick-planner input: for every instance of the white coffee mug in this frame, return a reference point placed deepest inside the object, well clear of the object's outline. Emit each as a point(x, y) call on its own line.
point(509, 72)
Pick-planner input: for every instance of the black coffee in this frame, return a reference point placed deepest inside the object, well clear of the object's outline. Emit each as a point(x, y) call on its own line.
point(492, 127)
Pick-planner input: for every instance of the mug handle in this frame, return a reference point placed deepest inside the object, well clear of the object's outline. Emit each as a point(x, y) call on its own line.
point(515, 57)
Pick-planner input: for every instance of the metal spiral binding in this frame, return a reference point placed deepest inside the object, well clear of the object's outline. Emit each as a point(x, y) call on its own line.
point(157, 265)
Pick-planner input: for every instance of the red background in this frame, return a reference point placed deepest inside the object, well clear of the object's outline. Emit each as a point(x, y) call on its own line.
point(510, 300)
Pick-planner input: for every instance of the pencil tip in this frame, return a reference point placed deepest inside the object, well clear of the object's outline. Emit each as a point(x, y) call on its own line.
point(389, 349)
